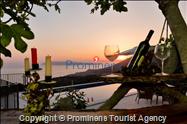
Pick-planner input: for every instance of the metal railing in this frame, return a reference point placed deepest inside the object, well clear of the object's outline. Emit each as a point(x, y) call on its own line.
point(14, 78)
point(11, 100)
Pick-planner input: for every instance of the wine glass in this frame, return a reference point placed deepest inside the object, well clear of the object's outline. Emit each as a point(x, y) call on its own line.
point(162, 52)
point(111, 52)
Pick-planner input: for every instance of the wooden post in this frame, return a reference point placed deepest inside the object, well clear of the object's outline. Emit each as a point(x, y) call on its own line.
point(17, 97)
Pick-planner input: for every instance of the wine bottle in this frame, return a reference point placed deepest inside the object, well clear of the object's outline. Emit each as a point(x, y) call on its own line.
point(140, 53)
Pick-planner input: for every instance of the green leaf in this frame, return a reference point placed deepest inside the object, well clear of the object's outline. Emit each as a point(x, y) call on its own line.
point(57, 8)
point(105, 5)
point(45, 7)
point(1, 12)
point(5, 51)
point(20, 44)
point(119, 6)
point(22, 31)
point(33, 109)
point(41, 105)
point(6, 35)
point(34, 86)
point(23, 97)
point(28, 35)
point(88, 2)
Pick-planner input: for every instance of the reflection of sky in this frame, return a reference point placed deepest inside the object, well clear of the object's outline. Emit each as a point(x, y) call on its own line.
point(98, 96)
point(78, 35)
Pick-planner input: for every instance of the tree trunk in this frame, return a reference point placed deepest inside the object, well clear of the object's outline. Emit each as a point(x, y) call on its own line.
point(115, 98)
point(178, 27)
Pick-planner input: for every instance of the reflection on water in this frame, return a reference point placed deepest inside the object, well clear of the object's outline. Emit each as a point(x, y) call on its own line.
point(100, 93)
point(97, 94)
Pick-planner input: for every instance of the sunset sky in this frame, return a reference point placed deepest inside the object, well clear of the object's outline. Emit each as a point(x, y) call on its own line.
point(78, 35)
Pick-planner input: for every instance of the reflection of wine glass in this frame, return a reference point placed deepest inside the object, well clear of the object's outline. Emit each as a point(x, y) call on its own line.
point(111, 53)
point(162, 52)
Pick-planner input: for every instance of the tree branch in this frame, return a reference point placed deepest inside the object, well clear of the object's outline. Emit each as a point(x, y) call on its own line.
point(115, 98)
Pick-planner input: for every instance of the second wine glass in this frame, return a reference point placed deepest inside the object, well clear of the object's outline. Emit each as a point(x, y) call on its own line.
point(111, 52)
point(162, 52)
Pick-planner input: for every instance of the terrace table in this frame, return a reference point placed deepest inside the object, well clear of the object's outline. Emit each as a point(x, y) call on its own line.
point(146, 79)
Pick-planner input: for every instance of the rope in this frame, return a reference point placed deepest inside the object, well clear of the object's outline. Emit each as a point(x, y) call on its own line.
point(167, 30)
point(162, 31)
